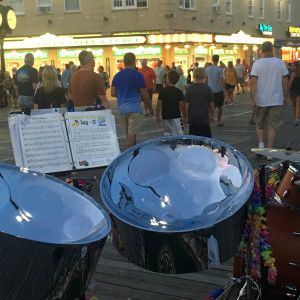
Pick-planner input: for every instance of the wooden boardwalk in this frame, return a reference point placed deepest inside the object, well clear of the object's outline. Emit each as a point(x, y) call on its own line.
point(118, 279)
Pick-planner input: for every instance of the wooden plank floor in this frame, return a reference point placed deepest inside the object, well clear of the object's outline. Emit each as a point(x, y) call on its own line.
point(118, 279)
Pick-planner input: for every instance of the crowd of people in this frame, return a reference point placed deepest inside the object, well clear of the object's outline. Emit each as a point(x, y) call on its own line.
point(47, 87)
point(192, 100)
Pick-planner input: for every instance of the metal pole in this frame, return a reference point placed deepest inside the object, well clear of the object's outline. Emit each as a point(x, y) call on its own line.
point(2, 54)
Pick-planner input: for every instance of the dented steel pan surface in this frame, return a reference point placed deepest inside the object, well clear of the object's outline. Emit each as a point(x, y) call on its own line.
point(177, 204)
point(51, 236)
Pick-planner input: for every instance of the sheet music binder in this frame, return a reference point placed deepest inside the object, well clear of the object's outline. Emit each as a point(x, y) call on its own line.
point(55, 142)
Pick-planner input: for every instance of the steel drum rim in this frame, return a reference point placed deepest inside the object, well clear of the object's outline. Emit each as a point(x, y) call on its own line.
point(211, 141)
point(81, 241)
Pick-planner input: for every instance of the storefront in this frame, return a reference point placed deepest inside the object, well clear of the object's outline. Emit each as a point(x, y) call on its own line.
point(53, 50)
point(240, 45)
point(152, 54)
point(290, 49)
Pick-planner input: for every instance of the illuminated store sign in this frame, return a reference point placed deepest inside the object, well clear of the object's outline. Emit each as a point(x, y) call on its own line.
point(181, 51)
point(265, 29)
point(231, 51)
point(201, 50)
point(75, 53)
point(241, 38)
point(180, 38)
point(294, 31)
point(49, 40)
point(20, 55)
point(218, 51)
point(138, 51)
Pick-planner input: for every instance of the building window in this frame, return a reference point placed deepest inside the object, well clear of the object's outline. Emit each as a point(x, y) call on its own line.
point(250, 9)
point(279, 11)
point(72, 5)
point(18, 6)
point(187, 4)
point(44, 6)
point(288, 12)
point(228, 7)
point(261, 9)
point(216, 6)
point(124, 4)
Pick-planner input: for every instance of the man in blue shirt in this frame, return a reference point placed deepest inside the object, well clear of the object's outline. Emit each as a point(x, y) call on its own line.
point(65, 77)
point(129, 86)
point(214, 77)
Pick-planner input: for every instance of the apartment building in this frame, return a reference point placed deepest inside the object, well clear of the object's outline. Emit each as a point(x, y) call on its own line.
point(180, 31)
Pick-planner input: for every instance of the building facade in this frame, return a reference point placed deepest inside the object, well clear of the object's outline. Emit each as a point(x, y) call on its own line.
point(180, 31)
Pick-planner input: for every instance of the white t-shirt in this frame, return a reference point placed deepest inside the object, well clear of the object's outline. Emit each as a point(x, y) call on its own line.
point(239, 70)
point(160, 72)
point(269, 72)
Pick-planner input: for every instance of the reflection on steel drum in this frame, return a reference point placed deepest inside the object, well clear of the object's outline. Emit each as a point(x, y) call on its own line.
point(174, 185)
point(51, 236)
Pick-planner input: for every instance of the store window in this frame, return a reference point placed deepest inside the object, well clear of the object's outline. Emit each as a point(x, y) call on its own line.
point(250, 9)
point(288, 12)
point(279, 11)
point(187, 4)
point(261, 9)
point(228, 7)
point(18, 6)
point(125, 4)
point(44, 6)
point(72, 5)
point(216, 6)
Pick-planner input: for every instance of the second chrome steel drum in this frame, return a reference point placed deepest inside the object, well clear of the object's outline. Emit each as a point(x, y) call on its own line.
point(177, 203)
point(51, 237)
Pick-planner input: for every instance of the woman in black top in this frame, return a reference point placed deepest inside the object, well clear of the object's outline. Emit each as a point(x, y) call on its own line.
point(294, 84)
point(50, 94)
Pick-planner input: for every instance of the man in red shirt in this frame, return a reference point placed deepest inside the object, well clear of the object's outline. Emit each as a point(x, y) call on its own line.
point(149, 76)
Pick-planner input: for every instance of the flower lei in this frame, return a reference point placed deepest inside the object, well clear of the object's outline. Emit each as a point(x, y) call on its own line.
point(257, 231)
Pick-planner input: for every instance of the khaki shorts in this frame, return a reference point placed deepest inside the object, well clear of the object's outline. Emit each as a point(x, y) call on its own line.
point(132, 122)
point(270, 115)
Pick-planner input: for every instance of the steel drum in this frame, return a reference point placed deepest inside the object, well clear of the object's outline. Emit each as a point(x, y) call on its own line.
point(177, 204)
point(51, 236)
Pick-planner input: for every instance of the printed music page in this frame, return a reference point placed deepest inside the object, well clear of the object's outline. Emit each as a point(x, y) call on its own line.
point(44, 143)
point(93, 138)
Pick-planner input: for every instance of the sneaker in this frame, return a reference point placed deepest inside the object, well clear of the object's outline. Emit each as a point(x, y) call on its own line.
point(296, 123)
point(146, 115)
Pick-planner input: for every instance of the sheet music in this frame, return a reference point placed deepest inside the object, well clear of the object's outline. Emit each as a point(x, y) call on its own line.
point(93, 138)
point(44, 144)
point(15, 140)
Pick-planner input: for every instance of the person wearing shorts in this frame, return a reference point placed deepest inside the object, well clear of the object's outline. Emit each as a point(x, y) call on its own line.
point(129, 86)
point(269, 91)
point(214, 77)
point(230, 81)
point(170, 103)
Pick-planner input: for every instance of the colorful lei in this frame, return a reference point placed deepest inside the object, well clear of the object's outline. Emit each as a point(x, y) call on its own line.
point(257, 231)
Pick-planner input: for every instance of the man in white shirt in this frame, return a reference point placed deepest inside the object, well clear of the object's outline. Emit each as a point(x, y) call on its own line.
point(160, 73)
point(269, 92)
point(240, 75)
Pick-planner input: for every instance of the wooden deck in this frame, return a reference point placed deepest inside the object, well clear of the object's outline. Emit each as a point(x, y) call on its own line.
point(118, 279)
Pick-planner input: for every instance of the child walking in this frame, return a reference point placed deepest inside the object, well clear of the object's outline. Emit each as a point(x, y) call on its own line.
point(170, 105)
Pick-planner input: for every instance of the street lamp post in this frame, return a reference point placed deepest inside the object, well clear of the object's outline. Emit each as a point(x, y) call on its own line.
point(8, 22)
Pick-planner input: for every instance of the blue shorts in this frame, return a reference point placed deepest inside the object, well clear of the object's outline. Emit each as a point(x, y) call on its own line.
point(26, 101)
point(294, 94)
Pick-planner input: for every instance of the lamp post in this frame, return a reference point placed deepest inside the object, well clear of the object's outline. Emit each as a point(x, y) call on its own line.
point(8, 22)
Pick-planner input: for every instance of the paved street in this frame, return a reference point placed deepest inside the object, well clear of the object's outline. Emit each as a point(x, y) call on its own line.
point(237, 131)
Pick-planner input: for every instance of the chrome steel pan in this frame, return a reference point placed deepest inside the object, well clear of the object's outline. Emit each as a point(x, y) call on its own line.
point(51, 236)
point(177, 204)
